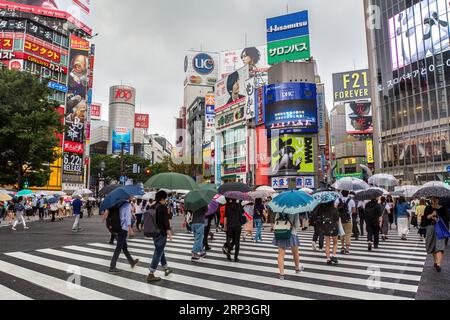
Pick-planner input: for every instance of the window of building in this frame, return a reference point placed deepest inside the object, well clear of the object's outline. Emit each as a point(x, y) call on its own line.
point(18, 44)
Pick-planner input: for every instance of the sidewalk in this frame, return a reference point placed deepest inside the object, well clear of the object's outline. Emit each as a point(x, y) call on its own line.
point(435, 286)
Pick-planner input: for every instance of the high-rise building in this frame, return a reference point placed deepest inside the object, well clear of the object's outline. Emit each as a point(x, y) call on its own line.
point(409, 59)
point(54, 45)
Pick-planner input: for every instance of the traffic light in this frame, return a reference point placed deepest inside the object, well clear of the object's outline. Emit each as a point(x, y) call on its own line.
point(148, 171)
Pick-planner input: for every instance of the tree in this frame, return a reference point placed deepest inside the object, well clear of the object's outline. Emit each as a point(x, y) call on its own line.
point(113, 167)
point(28, 142)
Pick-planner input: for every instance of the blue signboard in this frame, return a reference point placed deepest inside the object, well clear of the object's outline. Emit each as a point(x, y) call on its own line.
point(57, 86)
point(289, 26)
point(210, 110)
point(121, 137)
point(291, 106)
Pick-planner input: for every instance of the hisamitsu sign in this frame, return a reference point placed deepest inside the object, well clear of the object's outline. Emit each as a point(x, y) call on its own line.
point(351, 86)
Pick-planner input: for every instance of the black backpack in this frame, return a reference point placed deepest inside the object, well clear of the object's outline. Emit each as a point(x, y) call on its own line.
point(372, 214)
point(113, 220)
point(151, 228)
point(344, 214)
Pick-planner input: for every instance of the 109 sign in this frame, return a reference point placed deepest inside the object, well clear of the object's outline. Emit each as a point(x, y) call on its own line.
point(203, 64)
point(124, 94)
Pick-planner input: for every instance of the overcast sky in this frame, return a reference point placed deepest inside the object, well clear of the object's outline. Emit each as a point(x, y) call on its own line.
point(143, 44)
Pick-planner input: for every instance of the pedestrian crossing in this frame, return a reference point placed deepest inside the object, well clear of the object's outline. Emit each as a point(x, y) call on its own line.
point(392, 272)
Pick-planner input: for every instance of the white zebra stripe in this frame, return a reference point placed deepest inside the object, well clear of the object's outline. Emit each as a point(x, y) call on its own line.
point(11, 295)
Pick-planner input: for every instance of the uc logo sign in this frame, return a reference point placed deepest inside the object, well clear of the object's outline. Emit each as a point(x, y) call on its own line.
point(203, 64)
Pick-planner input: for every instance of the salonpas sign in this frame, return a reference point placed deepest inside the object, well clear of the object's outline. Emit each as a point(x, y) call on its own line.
point(289, 50)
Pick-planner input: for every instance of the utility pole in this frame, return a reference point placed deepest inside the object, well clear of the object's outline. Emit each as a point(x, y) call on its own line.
point(122, 164)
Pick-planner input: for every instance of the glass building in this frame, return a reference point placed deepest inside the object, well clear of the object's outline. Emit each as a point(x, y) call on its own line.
point(409, 59)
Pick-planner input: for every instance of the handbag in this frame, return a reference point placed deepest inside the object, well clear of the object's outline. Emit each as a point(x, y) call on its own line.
point(441, 230)
point(283, 229)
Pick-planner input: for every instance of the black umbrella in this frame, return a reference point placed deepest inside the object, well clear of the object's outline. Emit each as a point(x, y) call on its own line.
point(108, 189)
point(432, 192)
point(234, 186)
point(369, 194)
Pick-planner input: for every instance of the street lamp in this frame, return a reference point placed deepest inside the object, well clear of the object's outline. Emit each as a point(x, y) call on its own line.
point(101, 182)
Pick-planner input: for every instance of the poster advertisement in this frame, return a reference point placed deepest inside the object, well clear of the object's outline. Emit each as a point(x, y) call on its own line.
point(370, 154)
point(231, 89)
point(351, 86)
point(201, 68)
point(121, 137)
point(77, 12)
point(96, 111)
point(358, 117)
point(254, 57)
point(292, 155)
point(141, 121)
point(419, 32)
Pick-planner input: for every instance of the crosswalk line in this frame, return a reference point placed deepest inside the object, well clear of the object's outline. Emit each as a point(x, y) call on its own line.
point(321, 289)
point(114, 280)
point(307, 275)
point(289, 260)
point(8, 294)
point(396, 258)
point(191, 281)
point(52, 283)
point(347, 260)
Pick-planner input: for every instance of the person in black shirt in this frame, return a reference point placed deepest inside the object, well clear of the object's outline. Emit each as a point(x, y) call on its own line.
point(162, 220)
point(233, 228)
point(373, 213)
point(434, 246)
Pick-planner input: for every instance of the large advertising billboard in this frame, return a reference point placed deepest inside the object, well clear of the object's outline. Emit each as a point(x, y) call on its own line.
point(351, 86)
point(254, 57)
point(419, 32)
point(201, 68)
point(77, 12)
point(358, 117)
point(121, 139)
point(141, 121)
point(231, 89)
point(291, 105)
point(288, 38)
point(292, 154)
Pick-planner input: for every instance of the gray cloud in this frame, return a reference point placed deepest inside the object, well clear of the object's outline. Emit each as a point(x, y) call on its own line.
point(143, 43)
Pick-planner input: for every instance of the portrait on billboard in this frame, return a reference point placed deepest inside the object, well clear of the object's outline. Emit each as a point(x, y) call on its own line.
point(419, 32)
point(78, 77)
point(359, 117)
point(233, 87)
point(254, 57)
point(292, 154)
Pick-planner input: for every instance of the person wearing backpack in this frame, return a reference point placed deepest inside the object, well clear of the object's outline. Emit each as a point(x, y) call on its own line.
point(286, 230)
point(19, 209)
point(258, 218)
point(122, 234)
point(374, 214)
point(233, 221)
point(346, 208)
point(327, 223)
point(157, 226)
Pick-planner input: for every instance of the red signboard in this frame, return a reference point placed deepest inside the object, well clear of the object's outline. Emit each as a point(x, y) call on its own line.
point(123, 94)
point(6, 44)
point(48, 65)
point(73, 147)
point(141, 121)
point(96, 111)
point(42, 50)
point(260, 106)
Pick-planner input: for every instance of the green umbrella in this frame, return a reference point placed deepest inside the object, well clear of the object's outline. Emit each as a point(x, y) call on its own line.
point(208, 186)
point(24, 193)
point(172, 181)
point(198, 199)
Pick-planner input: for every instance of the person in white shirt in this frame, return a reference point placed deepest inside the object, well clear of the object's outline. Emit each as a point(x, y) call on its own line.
point(346, 207)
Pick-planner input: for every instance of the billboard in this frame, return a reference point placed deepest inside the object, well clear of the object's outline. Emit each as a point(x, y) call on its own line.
point(122, 94)
point(262, 157)
point(96, 111)
point(231, 89)
point(370, 154)
point(288, 38)
point(254, 57)
point(300, 182)
point(292, 155)
point(210, 113)
point(291, 105)
point(77, 12)
point(358, 116)
point(352, 85)
point(121, 137)
point(201, 68)
point(141, 121)
point(418, 32)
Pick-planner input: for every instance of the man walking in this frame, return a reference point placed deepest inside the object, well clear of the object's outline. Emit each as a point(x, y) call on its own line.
point(125, 224)
point(77, 205)
point(41, 207)
point(233, 228)
point(198, 227)
point(346, 208)
point(19, 209)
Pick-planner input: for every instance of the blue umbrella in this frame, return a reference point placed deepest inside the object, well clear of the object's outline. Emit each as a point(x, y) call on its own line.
point(119, 195)
point(24, 193)
point(293, 202)
point(326, 196)
point(53, 200)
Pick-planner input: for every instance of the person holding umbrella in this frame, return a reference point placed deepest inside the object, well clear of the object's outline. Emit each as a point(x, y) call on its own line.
point(435, 246)
point(233, 221)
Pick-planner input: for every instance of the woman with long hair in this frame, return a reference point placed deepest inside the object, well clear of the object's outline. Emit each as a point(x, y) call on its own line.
point(385, 218)
point(390, 207)
point(327, 223)
point(420, 213)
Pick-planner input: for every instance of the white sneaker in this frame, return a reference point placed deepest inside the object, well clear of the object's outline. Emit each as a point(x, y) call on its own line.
point(13, 229)
point(27, 228)
point(314, 246)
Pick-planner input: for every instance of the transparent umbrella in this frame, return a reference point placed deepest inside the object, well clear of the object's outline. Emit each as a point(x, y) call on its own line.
point(383, 180)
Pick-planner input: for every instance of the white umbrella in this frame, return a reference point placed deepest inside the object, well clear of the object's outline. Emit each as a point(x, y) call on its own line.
point(383, 180)
point(266, 189)
point(435, 184)
point(149, 196)
point(350, 184)
point(82, 192)
point(407, 191)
